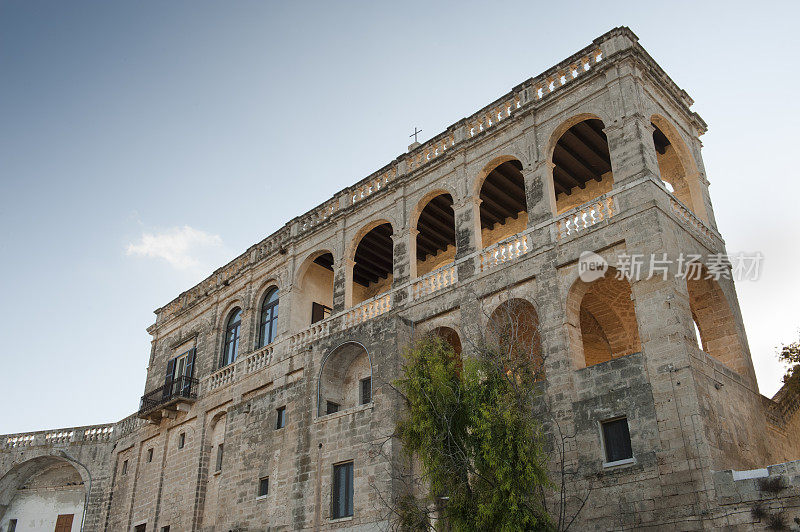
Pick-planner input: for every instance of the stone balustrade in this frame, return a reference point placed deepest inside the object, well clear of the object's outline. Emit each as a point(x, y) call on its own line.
point(584, 216)
point(368, 309)
point(221, 377)
point(311, 333)
point(504, 251)
point(492, 115)
point(318, 215)
point(430, 150)
point(562, 75)
point(94, 433)
point(434, 281)
point(373, 185)
point(689, 219)
point(258, 360)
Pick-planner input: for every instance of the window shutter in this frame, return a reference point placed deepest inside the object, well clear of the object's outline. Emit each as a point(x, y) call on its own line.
point(170, 376)
point(189, 373)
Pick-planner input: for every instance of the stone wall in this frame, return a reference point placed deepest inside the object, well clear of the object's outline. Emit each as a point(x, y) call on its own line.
point(197, 465)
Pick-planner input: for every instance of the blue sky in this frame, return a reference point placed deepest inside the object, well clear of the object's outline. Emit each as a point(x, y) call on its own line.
point(143, 144)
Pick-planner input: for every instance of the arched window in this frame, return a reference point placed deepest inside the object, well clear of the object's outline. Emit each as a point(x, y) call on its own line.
point(268, 328)
point(231, 347)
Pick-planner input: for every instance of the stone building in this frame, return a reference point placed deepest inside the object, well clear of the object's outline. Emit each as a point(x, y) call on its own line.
point(267, 385)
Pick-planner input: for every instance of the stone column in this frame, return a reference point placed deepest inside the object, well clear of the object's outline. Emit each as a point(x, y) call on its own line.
point(539, 192)
point(633, 154)
point(412, 253)
point(468, 233)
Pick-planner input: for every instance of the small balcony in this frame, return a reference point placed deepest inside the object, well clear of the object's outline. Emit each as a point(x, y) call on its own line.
point(167, 400)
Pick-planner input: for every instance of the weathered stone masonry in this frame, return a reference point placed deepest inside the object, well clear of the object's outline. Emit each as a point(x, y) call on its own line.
point(600, 153)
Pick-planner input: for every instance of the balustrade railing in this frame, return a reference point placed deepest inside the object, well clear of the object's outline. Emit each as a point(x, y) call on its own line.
point(311, 333)
point(434, 281)
point(373, 185)
point(369, 309)
point(493, 115)
point(504, 251)
point(586, 215)
point(92, 434)
point(689, 218)
point(182, 387)
point(257, 360)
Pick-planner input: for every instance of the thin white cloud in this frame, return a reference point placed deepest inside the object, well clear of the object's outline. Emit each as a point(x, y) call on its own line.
point(179, 246)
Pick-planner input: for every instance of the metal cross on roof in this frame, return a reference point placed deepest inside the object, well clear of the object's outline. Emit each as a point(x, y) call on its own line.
point(416, 132)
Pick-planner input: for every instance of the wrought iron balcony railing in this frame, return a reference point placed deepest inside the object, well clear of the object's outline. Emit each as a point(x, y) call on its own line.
point(180, 388)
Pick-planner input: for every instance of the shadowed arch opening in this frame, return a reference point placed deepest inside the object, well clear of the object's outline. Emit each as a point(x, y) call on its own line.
point(503, 207)
point(513, 332)
point(715, 321)
point(345, 379)
point(40, 490)
point(603, 320)
point(676, 165)
point(449, 336)
point(312, 295)
point(581, 165)
point(436, 236)
point(373, 263)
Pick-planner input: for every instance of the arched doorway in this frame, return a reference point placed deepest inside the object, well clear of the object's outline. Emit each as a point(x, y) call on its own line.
point(373, 263)
point(603, 320)
point(581, 165)
point(513, 333)
point(503, 208)
point(48, 490)
point(436, 234)
point(714, 321)
point(345, 379)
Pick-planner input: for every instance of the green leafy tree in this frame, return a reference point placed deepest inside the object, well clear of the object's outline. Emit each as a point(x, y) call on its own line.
point(790, 354)
point(471, 428)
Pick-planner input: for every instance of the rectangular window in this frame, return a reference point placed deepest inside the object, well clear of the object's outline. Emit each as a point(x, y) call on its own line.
point(366, 390)
point(125, 467)
point(181, 440)
point(617, 440)
point(319, 312)
point(150, 455)
point(219, 458)
point(331, 407)
point(263, 486)
point(165, 528)
point(140, 528)
point(12, 525)
point(281, 422)
point(342, 490)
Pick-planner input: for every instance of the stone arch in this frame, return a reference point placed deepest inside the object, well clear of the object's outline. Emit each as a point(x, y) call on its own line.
point(715, 321)
point(601, 318)
point(312, 291)
point(677, 165)
point(215, 437)
point(47, 481)
point(512, 330)
point(341, 378)
point(502, 200)
point(371, 262)
point(580, 161)
point(433, 232)
point(450, 336)
point(493, 163)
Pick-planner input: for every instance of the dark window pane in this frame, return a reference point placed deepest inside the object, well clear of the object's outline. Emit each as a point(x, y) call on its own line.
point(263, 486)
point(617, 440)
point(219, 458)
point(281, 418)
point(366, 390)
point(342, 490)
point(331, 407)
